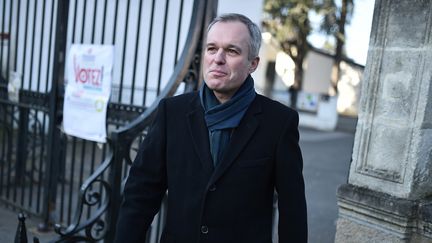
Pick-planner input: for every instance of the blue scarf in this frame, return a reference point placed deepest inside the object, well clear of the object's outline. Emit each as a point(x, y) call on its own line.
point(222, 118)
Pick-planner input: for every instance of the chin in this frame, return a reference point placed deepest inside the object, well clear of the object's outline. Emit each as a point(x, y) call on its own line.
point(214, 84)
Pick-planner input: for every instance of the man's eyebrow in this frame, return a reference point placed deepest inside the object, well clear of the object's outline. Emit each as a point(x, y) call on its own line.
point(234, 47)
point(230, 46)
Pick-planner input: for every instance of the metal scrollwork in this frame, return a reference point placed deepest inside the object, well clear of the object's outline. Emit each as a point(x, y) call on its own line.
point(95, 196)
point(97, 230)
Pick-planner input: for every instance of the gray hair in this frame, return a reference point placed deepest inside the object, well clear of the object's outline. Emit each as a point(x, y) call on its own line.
point(254, 30)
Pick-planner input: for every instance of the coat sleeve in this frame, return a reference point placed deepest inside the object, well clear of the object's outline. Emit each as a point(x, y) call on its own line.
point(146, 184)
point(290, 185)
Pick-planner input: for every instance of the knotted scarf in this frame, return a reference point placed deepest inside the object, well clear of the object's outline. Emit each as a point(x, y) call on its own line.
point(222, 118)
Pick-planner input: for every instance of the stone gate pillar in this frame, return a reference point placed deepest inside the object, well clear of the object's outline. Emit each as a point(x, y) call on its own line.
point(388, 197)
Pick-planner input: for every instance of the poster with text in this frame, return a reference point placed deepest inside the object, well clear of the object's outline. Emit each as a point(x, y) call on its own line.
point(88, 88)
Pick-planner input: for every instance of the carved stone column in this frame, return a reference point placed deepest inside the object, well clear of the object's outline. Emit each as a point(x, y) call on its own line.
point(388, 197)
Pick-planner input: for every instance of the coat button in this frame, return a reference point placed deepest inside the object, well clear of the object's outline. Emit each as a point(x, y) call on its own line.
point(212, 188)
point(204, 229)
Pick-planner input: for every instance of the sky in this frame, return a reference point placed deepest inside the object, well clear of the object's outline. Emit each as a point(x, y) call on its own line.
point(357, 33)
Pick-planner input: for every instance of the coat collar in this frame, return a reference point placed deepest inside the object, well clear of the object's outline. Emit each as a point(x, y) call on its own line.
point(198, 130)
point(240, 138)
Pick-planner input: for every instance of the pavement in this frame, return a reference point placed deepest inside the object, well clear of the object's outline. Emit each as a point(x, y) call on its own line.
point(326, 156)
point(9, 224)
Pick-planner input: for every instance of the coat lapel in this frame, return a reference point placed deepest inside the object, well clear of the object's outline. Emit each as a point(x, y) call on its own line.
point(199, 133)
point(240, 138)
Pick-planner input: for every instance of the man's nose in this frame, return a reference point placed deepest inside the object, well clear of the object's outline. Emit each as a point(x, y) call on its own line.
point(220, 56)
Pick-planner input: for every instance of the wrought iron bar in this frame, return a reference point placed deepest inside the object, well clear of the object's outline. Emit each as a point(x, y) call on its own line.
point(180, 18)
point(149, 41)
point(83, 21)
point(10, 34)
point(93, 159)
point(21, 148)
point(17, 33)
point(41, 167)
point(136, 52)
point(42, 144)
point(82, 162)
point(29, 174)
point(94, 21)
point(115, 23)
point(32, 48)
point(159, 80)
point(71, 178)
point(63, 187)
point(9, 152)
point(50, 47)
point(75, 9)
point(2, 30)
point(42, 33)
point(124, 52)
point(53, 131)
point(25, 45)
point(3, 133)
point(103, 23)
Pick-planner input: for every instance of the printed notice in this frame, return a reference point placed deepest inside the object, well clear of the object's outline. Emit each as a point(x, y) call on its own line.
point(89, 77)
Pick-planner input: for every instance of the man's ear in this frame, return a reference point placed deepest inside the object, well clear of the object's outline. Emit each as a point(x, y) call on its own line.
point(254, 64)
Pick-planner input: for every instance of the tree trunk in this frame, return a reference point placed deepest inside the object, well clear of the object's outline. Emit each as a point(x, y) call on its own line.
point(340, 42)
point(298, 80)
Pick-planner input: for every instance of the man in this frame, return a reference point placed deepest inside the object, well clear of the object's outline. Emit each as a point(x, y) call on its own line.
point(221, 153)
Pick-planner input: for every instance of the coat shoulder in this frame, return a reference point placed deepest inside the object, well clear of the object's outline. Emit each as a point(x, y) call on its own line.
point(182, 98)
point(182, 102)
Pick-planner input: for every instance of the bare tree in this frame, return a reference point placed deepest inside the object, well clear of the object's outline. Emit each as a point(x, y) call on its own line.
point(288, 21)
point(334, 21)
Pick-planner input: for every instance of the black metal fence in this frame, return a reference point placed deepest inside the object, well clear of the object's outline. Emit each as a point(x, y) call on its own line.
point(64, 179)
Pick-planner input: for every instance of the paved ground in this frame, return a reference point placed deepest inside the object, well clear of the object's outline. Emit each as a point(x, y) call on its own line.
point(9, 224)
point(327, 157)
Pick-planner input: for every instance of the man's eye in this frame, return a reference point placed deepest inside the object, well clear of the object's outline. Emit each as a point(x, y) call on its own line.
point(211, 49)
point(233, 51)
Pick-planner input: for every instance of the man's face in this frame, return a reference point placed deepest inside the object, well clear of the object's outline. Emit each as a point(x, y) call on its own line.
point(226, 64)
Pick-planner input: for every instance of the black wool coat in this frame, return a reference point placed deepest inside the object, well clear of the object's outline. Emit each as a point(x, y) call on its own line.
point(230, 203)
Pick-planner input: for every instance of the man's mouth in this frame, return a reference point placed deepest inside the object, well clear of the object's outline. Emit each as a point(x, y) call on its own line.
point(218, 73)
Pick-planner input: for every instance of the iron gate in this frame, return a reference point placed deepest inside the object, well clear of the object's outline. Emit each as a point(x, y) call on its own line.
point(68, 180)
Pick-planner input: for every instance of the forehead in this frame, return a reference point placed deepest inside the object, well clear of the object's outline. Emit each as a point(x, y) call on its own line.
point(233, 32)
